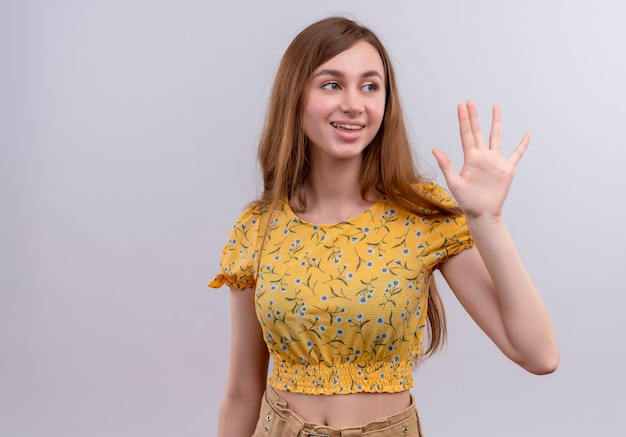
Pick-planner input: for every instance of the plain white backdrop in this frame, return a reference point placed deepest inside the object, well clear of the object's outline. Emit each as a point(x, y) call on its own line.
point(128, 132)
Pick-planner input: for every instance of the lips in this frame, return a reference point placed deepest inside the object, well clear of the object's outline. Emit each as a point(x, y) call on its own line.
point(347, 126)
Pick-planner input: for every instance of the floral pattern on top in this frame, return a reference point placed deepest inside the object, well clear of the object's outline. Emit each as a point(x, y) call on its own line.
point(343, 306)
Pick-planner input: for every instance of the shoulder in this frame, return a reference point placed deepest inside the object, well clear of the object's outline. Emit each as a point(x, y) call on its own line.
point(252, 215)
point(248, 226)
point(237, 262)
point(435, 193)
point(425, 199)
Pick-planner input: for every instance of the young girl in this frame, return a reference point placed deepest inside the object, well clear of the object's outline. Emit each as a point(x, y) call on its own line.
point(330, 270)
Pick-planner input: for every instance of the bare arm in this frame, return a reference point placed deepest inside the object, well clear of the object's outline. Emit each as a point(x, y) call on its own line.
point(247, 372)
point(495, 289)
point(490, 280)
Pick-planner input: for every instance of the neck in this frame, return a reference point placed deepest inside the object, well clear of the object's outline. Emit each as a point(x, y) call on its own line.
point(333, 192)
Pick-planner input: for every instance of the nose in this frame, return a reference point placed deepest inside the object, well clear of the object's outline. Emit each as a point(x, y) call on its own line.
point(351, 103)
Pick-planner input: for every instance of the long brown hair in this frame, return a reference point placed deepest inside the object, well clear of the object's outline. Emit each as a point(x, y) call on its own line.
point(388, 164)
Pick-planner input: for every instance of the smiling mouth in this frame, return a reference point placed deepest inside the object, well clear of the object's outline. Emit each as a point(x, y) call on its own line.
point(348, 126)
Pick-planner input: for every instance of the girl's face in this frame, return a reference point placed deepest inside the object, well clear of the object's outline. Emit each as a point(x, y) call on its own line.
point(345, 103)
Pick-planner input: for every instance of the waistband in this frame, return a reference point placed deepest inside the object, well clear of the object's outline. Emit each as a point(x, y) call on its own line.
point(406, 421)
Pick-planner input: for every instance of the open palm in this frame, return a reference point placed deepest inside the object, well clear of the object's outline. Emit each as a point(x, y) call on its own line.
point(481, 187)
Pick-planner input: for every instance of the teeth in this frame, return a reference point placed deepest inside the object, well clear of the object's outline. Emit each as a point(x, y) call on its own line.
point(348, 126)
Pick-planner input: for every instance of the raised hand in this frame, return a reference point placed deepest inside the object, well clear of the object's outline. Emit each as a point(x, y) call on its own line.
point(484, 181)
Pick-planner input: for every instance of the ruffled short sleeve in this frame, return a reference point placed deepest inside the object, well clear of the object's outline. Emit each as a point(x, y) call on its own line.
point(453, 235)
point(238, 261)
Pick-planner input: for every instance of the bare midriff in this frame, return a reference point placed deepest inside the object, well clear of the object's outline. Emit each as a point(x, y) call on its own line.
point(345, 410)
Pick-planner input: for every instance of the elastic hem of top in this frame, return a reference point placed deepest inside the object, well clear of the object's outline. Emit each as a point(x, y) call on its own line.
point(343, 378)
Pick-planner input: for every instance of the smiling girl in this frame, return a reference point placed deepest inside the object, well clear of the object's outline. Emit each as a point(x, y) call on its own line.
point(331, 269)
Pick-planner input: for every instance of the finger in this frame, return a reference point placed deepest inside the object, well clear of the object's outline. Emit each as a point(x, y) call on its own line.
point(449, 173)
point(465, 128)
point(520, 149)
point(479, 141)
point(495, 135)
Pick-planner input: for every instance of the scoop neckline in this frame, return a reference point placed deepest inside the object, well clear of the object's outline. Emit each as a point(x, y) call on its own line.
point(369, 211)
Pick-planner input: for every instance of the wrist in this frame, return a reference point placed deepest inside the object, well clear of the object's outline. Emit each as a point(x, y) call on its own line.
point(485, 222)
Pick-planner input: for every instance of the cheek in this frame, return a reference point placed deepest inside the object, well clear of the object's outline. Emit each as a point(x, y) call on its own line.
point(314, 115)
point(318, 109)
point(379, 113)
point(308, 121)
point(310, 126)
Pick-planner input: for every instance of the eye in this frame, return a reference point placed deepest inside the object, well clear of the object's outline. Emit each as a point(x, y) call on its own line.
point(370, 87)
point(331, 86)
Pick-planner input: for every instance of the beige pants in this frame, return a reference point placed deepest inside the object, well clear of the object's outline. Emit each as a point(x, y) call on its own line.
point(276, 420)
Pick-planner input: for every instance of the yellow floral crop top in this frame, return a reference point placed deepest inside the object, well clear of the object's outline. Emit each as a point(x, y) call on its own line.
point(342, 307)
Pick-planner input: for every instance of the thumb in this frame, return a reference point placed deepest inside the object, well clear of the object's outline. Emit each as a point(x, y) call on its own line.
point(449, 173)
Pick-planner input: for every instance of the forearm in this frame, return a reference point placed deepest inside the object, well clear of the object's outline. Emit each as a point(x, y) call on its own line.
point(238, 415)
point(524, 315)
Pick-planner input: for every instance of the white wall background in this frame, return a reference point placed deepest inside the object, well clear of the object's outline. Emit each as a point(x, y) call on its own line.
point(127, 135)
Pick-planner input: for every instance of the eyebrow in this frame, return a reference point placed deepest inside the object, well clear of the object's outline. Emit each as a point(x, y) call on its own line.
point(337, 73)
